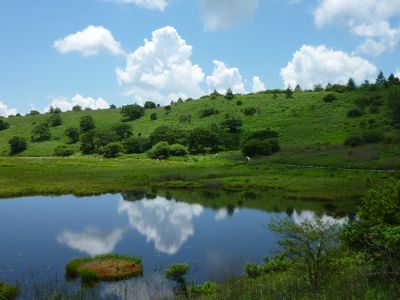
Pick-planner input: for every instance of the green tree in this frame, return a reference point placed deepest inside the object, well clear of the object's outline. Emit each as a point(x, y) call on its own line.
point(232, 124)
point(76, 108)
point(73, 134)
point(153, 116)
point(178, 150)
point(63, 151)
point(202, 140)
point(351, 85)
point(394, 106)
point(171, 135)
point(122, 130)
point(136, 145)
point(149, 105)
point(298, 88)
point(113, 106)
point(177, 273)
point(254, 147)
point(55, 120)
point(132, 112)
point(380, 79)
point(111, 150)
point(289, 92)
point(17, 145)
point(34, 113)
point(229, 94)
point(3, 124)
point(160, 150)
point(86, 123)
point(41, 133)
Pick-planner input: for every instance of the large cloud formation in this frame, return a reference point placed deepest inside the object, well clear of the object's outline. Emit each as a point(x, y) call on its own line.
point(224, 77)
point(371, 20)
point(89, 42)
point(66, 104)
point(166, 223)
point(321, 65)
point(150, 4)
point(161, 70)
point(6, 111)
point(225, 14)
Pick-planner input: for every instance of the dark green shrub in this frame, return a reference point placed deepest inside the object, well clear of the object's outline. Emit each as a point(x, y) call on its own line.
point(229, 94)
point(153, 116)
point(373, 137)
point(239, 102)
point(214, 95)
point(63, 151)
point(136, 145)
point(255, 147)
point(394, 106)
point(34, 113)
point(76, 108)
point(8, 291)
point(132, 112)
point(122, 131)
point(206, 289)
point(330, 97)
point(73, 134)
point(171, 135)
point(178, 150)
point(113, 106)
point(374, 109)
point(202, 140)
point(111, 150)
point(252, 270)
point(355, 112)
point(17, 145)
point(86, 123)
point(93, 140)
point(249, 111)
point(160, 150)
point(208, 112)
point(41, 133)
point(177, 273)
point(354, 141)
point(55, 120)
point(3, 125)
point(149, 105)
point(232, 125)
point(263, 134)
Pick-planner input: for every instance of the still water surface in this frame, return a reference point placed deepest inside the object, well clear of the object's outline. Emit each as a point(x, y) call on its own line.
point(215, 232)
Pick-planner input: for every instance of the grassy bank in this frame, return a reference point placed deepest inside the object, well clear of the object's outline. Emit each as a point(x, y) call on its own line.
point(91, 175)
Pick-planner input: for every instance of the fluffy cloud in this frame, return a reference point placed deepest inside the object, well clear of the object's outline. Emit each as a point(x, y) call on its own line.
point(91, 241)
point(223, 78)
point(397, 74)
point(320, 65)
point(224, 14)
point(368, 19)
point(161, 70)
point(299, 217)
point(91, 41)
point(258, 85)
point(6, 111)
point(166, 223)
point(150, 4)
point(66, 104)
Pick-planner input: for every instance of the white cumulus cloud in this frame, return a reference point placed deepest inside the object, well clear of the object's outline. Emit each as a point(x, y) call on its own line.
point(6, 111)
point(397, 74)
point(150, 4)
point(321, 65)
point(161, 70)
point(258, 85)
point(224, 14)
point(66, 104)
point(91, 41)
point(91, 241)
point(224, 77)
point(299, 217)
point(371, 20)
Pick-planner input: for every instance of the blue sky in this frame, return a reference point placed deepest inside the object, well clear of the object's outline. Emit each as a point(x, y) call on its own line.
point(194, 46)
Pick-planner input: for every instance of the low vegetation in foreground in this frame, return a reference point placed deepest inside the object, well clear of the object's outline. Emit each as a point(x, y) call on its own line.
point(8, 291)
point(104, 268)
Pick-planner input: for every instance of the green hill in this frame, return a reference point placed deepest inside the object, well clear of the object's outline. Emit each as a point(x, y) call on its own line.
point(312, 132)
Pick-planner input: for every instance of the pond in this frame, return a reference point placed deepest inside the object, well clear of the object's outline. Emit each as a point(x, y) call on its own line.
point(216, 232)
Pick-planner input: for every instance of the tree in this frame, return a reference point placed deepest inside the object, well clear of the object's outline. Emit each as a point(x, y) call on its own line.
point(376, 230)
point(73, 134)
point(63, 151)
point(393, 80)
point(254, 147)
point(289, 92)
point(4, 125)
point(132, 112)
point(160, 150)
point(76, 108)
point(178, 150)
point(351, 85)
point(171, 135)
point(177, 273)
point(136, 145)
point(41, 133)
point(113, 106)
point(34, 113)
point(330, 97)
point(380, 79)
point(122, 131)
point(201, 140)
point(229, 94)
point(17, 145)
point(298, 88)
point(394, 106)
point(111, 150)
point(93, 140)
point(153, 116)
point(55, 120)
point(86, 123)
point(311, 244)
point(232, 124)
point(214, 95)
point(318, 88)
point(149, 105)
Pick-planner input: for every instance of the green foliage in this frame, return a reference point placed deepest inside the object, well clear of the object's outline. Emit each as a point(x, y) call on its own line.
point(132, 112)
point(122, 131)
point(330, 97)
point(178, 150)
point(351, 85)
point(17, 145)
point(376, 230)
point(208, 288)
point(63, 151)
point(337, 88)
point(229, 94)
point(111, 150)
point(149, 105)
point(313, 245)
point(73, 134)
point(298, 88)
point(214, 95)
point(255, 147)
point(354, 141)
point(394, 106)
point(55, 120)
point(263, 134)
point(113, 106)
point(160, 150)
point(153, 116)
point(87, 123)
point(3, 124)
point(34, 113)
point(232, 124)
point(177, 273)
point(76, 108)
point(252, 270)
point(202, 140)
point(136, 145)
point(289, 92)
point(207, 112)
point(41, 133)
point(355, 112)
point(93, 140)
point(380, 79)
point(8, 291)
point(249, 111)
point(171, 135)
point(373, 136)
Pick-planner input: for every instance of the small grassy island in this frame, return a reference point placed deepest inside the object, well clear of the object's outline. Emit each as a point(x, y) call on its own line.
point(104, 268)
point(8, 291)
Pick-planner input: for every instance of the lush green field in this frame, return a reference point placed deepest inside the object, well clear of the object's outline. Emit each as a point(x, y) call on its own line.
point(311, 131)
